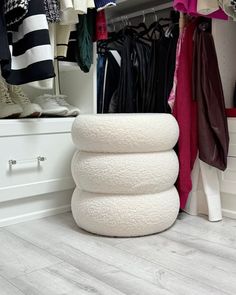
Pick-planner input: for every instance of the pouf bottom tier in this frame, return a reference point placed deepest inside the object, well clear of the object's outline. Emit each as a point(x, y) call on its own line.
point(125, 215)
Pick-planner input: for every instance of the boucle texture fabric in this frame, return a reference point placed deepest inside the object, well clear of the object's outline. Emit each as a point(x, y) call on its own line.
point(138, 173)
point(125, 133)
point(125, 215)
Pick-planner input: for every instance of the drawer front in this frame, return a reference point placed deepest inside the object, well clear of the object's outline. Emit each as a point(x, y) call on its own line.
point(232, 136)
point(28, 176)
point(228, 177)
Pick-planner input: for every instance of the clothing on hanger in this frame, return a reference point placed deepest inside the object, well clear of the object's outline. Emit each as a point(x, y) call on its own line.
point(171, 100)
point(5, 55)
point(85, 35)
point(15, 11)
point(147, 66)
point(229, 7)
point(208, 91)
point(101, 65)
point(31, 53)
point(112, 77)
point(52, 9)
point(185, 112)
point(82, 6)
point(190, 7)
point(206, 7)
point(101, 26)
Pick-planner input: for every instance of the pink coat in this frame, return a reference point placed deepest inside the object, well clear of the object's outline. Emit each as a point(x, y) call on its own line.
point(190, 7)
point(185, 111)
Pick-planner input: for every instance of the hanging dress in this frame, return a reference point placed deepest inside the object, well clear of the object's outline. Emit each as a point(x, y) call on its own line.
point(31, 53)
point(208, 92)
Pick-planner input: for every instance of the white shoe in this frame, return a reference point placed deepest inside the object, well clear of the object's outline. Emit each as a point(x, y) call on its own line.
point(50, 106)
point(72, 110)
point(29, 109)
point(8, 109)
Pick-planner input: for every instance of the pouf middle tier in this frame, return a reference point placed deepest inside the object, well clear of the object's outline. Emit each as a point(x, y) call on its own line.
point(138, 173)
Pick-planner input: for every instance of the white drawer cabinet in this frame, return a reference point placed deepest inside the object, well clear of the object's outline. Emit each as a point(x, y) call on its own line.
point(228, 177)
point(37, 160)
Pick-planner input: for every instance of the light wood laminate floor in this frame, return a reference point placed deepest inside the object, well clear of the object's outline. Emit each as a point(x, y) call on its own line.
point(52, 256)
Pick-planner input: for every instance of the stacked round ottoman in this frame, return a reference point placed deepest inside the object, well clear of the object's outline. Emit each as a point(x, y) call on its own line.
point(125, 169)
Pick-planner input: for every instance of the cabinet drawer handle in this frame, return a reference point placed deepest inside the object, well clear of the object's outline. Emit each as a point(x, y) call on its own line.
point(39, 159)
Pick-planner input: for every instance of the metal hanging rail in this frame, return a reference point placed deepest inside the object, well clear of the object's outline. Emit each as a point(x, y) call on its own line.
point(141, 13)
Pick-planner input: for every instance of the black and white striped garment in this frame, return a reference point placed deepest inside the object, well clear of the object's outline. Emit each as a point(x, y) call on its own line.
point(233, 3)
point(31, 52)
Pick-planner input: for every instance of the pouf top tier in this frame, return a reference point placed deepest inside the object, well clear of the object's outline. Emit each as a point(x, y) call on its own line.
point(125, 133)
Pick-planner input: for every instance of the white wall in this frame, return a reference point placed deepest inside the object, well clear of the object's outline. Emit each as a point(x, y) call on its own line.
point(224, 33)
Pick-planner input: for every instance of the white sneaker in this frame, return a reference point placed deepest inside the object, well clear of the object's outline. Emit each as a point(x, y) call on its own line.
point(8, 109)
point(72, 110)
point(29, 109)
point(50, 106)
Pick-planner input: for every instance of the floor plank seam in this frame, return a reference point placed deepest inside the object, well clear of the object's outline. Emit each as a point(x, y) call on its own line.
point(12, 284)
point(216, 243)
point(187, 277)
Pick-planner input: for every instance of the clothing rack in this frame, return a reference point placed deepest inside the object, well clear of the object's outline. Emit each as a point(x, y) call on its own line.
point(141, 13)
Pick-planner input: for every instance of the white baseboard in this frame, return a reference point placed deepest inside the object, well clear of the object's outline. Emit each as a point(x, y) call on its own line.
point(34, 215)
point(35, 207)
point(229, 213)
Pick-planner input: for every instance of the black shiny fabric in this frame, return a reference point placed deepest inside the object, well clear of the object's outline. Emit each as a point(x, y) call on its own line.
point(5, 55)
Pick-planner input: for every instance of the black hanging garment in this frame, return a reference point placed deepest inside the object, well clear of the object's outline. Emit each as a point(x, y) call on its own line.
point(125, 92)
point(161, 72)
point(153, 75)
point(101, 64)
point(112, 75)
point(141, 57)
point(5, 55)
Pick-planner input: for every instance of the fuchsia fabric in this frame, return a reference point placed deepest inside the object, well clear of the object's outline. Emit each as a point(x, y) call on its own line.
point(190, 7)
point(101, 26)
point(185, 112)
point(171, 100)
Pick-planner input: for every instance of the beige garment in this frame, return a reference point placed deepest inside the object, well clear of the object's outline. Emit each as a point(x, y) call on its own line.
point(68, 15)
point(62, 39)
point(228, 8)
point(81, 6)
point(207, 6)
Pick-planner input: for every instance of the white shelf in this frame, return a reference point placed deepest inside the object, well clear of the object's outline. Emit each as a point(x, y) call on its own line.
point(16, 127)
point(125, 7)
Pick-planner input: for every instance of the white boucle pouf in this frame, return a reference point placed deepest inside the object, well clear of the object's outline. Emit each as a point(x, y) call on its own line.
point(138, 173)
point(125, 133)
point(125, 169)
point(125, 215)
